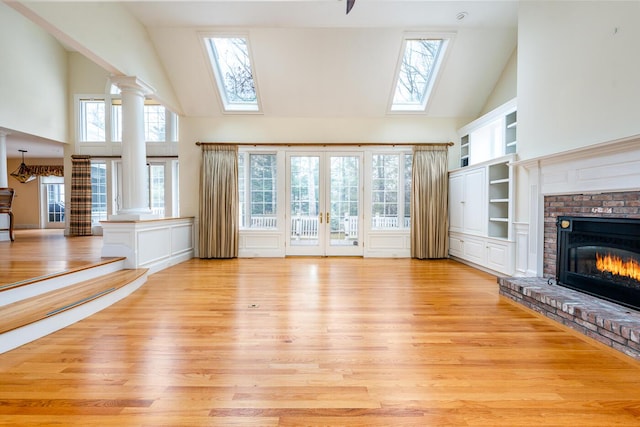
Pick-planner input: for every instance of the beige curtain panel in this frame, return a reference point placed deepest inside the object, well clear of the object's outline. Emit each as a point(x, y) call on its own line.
point(218, 232)
point(430, 202)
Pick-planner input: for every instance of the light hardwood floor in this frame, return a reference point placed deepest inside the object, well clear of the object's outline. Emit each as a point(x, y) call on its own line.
point(38, 253)
point(318, 342)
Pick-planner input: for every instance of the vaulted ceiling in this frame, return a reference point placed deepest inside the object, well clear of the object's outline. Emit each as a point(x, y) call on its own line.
point(311, 59)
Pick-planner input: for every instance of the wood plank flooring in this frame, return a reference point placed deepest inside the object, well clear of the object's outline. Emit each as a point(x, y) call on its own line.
point(318, 342)
point(30, 310)
point(39, 253)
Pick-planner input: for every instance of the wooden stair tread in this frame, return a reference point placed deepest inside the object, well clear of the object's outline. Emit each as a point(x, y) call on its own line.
point(50, 303)
point(70, 268)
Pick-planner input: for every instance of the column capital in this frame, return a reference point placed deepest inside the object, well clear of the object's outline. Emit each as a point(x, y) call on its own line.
point(132, 83)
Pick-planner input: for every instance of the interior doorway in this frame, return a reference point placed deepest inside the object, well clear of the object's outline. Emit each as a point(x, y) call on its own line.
point(52, 202)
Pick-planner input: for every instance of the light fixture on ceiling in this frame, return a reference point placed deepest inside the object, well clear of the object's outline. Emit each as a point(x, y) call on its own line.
point(23, 173)
point(461, 15)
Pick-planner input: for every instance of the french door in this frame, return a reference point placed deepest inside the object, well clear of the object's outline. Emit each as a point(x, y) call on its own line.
point(53, 208)
point(324, 204)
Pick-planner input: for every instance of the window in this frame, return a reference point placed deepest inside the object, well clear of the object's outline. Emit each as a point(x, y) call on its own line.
point(417, 72)
point(231, 64)
point(92, 120)
point(391, 191)
point(154, 123)
point(98, 192)
point(408, 163)
point(242, 199)
point(156, 188)
point(95, 118)
point(257, 185)
point(116, 120)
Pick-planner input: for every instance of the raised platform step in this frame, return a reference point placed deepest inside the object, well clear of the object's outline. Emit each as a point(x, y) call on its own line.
point(34, 286)
point(43, 307)
point(36, 308)
point(25, 273)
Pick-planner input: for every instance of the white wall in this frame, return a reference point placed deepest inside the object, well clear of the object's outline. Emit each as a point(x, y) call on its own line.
point(264, 130)
point(506, 89)
point(33, 76)
point(578, 74)
point(107, 34)
point(85, 77)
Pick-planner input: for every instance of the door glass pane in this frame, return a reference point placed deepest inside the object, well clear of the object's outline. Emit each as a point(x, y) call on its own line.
point(304, 196)
point(55, 203)
point(263, 189)
point(345, 203)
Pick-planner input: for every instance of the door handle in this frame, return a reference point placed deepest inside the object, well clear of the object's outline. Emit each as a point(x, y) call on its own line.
point(327, 217)
point(320, 217)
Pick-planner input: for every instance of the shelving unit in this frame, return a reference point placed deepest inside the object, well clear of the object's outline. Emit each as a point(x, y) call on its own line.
point(499, 200)
point(491, 136)
point(510, 132)
point(464, 151)
point(481, 214)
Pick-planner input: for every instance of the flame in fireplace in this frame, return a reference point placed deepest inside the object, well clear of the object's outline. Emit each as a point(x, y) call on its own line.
point(617, 266)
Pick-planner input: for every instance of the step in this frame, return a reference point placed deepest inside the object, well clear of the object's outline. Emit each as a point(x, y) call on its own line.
point(31, 318)
point(18, 291)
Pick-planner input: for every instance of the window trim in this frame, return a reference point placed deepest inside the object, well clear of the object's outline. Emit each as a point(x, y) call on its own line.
point(400, 202)
point(434, 76)
point(214, 70)
point(247, 189)
point(171, 121)
point(80, 116)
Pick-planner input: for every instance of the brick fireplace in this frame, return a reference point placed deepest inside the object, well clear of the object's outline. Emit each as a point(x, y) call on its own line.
point(596, 182)
point(603, 205)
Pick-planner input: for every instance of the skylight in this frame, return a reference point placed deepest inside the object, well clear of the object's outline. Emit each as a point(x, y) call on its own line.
point(231, 63)
point(417, 72)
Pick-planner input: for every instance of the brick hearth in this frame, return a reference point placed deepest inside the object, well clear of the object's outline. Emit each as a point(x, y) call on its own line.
point(611, 324)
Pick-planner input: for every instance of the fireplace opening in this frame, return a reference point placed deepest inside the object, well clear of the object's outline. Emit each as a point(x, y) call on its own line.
point(601, 257)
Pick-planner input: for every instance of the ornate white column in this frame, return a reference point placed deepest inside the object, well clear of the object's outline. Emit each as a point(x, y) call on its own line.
point(4, 172)
point(135, 198)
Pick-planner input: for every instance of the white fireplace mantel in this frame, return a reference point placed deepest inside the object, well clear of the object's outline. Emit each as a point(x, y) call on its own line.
point(606, 167)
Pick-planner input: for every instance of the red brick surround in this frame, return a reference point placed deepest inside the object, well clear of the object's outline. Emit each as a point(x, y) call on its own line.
point(613, 205)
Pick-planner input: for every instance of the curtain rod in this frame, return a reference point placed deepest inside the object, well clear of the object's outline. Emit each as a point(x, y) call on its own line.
point(324, 144)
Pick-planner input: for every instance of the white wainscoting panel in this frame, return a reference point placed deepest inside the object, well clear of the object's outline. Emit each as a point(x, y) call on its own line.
point(256, 244)
point(388, 245)
point(521, 231)
point(154, 244)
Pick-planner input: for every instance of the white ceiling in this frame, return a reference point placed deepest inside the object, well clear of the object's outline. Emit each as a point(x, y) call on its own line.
point(36, 147)
point(311, 59)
